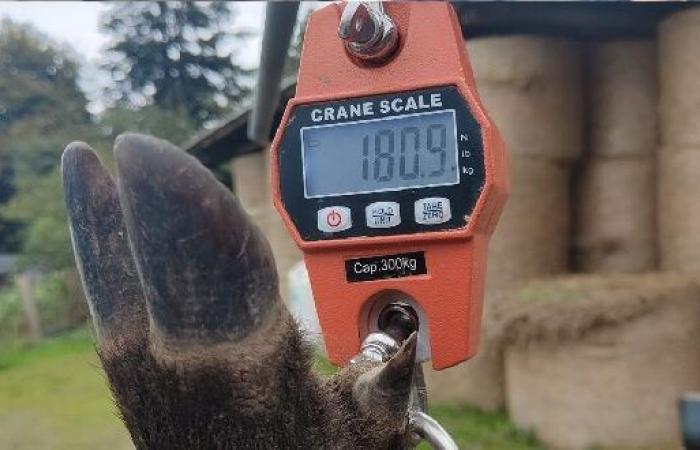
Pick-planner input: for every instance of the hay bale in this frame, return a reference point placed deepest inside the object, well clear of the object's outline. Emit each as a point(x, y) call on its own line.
point(679, 160)
point(568, 307)
point(615, 225)
point(679, 209)
point(679, 78)
point(479, 381)
point(531, 240)
point(602, 360)
point(623, 98)
point(532, 236)
point(531, 87)
point(251, 186)
point(251, 175)
point(615, 216)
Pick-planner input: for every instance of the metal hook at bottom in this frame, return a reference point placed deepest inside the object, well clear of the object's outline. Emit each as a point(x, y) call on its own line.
point(397, 322)
point(431, 431)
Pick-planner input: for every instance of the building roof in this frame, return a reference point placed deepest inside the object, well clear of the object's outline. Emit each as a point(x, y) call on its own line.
point(230, 138)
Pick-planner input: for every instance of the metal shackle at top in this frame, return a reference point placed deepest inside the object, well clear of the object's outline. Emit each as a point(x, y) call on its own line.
point(369, 33)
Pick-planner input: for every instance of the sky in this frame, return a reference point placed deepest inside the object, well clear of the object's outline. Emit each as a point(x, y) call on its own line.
point(77, 25)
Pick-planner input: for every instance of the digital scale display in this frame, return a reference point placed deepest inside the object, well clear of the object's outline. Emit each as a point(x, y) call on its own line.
point(399, 163)
point(387, 154)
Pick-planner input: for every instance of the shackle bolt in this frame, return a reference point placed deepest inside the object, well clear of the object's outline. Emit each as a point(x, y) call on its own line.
point(369, 33)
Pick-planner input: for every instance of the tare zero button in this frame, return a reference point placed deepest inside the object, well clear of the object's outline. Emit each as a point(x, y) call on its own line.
point(334, 218)
point(432, 211)
point(383, 214)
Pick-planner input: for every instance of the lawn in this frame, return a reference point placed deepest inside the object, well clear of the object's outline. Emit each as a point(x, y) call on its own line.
point(54, 396)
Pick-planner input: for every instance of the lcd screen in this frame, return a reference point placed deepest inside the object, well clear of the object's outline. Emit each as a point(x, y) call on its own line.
point(389, 154)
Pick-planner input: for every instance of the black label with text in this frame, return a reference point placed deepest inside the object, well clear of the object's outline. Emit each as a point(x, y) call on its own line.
point(385, 266)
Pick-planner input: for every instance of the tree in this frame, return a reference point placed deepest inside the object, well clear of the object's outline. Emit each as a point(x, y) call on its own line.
point(39, 96)
point(36, 79)
point(41, 109)
point(171, 125)
point(177, 56)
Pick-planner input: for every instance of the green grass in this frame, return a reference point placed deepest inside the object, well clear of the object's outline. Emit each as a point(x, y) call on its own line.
point(54, 396)
point(78, 341)
point(476, 430)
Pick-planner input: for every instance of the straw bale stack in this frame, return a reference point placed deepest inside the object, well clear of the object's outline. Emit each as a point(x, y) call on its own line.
point(600, 360)
point(531, 87)
point(679, 78)
point(679, 209)
point(679, 159)
point(615, 211)
point(623, 98)
point(616, 220)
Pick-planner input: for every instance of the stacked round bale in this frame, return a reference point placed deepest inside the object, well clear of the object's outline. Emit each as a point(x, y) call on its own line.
point(600, 360)
point(679, 158)
point(252, 185)
point(615, 214)
point(531, 88)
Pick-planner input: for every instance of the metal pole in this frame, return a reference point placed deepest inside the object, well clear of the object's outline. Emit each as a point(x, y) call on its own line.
point(280, 18)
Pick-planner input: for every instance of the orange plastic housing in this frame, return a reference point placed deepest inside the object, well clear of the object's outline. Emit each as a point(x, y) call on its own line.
point(431, 53)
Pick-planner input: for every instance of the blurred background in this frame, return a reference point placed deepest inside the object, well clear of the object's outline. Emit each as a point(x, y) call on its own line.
point(592, 324)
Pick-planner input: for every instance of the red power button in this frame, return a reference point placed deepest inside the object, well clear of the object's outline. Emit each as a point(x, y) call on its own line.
point(334, 218)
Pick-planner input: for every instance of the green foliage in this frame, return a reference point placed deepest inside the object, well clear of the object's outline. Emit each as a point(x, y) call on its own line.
point(41, 105)
point(38, 204)
point(174, 126)
point(11, 320)
point(39, 96)
point(36, 79)
point(42, 109)
point(58, 298)
point(175, 55)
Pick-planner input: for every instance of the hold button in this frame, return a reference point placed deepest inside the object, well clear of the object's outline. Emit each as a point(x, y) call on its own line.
point(383, 214)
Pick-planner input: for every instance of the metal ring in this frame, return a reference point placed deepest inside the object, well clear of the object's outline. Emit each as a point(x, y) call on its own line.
point(431, 431)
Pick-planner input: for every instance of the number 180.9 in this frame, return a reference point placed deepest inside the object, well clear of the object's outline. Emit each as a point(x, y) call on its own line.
point(413, 143)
